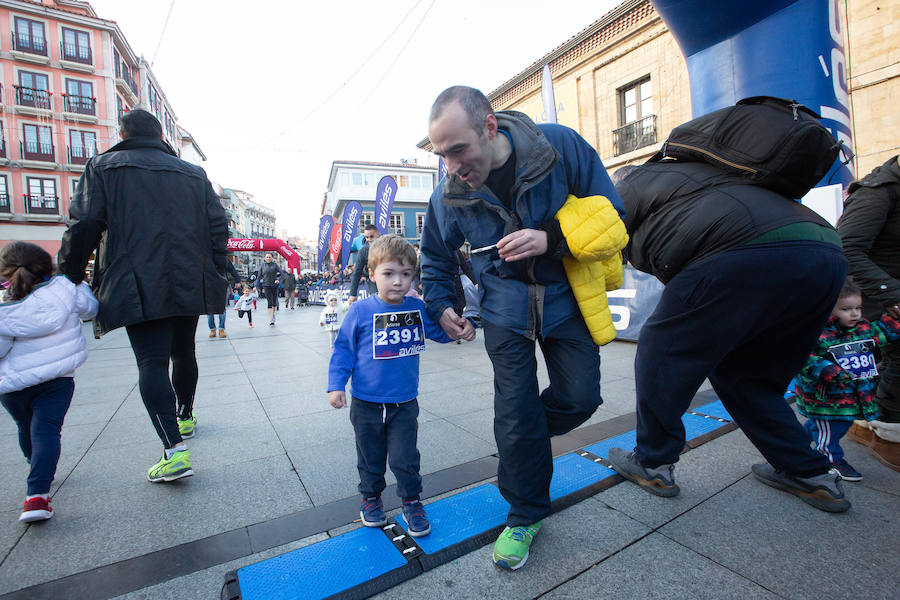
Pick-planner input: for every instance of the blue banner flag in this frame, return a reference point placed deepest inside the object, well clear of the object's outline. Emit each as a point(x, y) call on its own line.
point(351, 220)
point(384, 202)
point(325, 225)
point(442, 168)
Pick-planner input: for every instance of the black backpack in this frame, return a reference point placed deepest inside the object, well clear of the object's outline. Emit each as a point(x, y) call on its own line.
point(774, 143)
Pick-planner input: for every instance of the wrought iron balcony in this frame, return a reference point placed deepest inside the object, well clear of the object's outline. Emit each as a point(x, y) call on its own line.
point(23, 41)
point(33, 97)
point(41, 205)
point(2, 148)
point(79, 155)
point(76, 53)
point(634, 135)
point(123, 73)
point(80, 104)
point(33, 150)
point(4, 203)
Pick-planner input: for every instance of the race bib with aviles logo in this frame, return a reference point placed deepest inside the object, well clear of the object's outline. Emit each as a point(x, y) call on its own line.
point(397, 334)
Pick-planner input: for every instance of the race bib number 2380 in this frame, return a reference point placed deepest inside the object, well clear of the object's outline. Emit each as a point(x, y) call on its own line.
point(397, 334)
point(857, 358)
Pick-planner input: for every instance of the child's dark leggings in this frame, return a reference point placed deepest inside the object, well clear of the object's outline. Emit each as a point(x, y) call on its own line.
point(386, 433)
point(39, 412)
point(249, 315)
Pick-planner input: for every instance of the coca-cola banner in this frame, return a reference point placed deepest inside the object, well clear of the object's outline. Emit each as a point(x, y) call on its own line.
point(384, 202)
point(351, 221)
point(325, 225)
point(241, 244)
point(335, 245)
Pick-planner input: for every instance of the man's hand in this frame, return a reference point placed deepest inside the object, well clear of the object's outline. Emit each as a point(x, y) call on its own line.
point(456, 326)
point(351, 300)
point(337, 399)
point(522, 244)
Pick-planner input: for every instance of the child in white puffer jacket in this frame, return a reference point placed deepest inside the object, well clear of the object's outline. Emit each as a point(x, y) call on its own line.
point(41, 345)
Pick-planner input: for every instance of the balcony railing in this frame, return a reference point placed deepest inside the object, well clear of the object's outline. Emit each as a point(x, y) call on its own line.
point(4, 203)
point(41, 205)
point(79, 155)
point(25, 42)
point(32, 150)
point(634, 135)
point(124, 74)
point(122, 112)
point(33, 97)
point(76, 53)
point(80, 104)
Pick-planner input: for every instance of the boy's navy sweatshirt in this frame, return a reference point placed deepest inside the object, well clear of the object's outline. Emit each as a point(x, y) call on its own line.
point(378, 346)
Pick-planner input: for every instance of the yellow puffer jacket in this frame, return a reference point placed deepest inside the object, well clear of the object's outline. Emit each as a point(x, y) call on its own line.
point(596, 236)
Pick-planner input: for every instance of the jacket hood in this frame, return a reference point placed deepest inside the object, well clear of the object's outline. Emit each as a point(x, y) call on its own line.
point(887, 173)
point(43, 311)
point(535, 156)
point(142, 143)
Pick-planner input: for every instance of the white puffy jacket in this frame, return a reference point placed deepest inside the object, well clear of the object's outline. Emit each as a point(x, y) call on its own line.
point(40, 335)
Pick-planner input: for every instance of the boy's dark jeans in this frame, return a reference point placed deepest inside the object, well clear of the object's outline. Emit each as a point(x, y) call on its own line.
point(386, 433)
point(39, 412)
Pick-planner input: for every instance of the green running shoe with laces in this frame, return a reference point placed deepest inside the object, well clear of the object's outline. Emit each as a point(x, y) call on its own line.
point(511, 548)
point(186, 427)
point(170, 469)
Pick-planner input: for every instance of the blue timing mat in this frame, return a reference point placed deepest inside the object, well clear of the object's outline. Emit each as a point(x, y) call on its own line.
point(601, 449)
point(572, 473)
point(461, 516)
point(322, 569)
point(714, 409)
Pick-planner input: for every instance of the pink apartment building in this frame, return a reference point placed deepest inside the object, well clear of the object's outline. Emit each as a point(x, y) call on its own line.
point(66, 77)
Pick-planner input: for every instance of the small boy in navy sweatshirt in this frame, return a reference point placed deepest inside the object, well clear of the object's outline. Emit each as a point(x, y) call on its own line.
point(378, 345)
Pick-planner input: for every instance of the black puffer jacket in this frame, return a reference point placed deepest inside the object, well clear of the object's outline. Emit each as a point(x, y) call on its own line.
point(163, 233)
point(678, 213)
point(870, 234)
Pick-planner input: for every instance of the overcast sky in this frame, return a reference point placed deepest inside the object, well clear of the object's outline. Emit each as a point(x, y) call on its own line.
point(275, 91)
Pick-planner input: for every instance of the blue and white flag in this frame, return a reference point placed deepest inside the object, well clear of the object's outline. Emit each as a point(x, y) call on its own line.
point(325, 225)
point(351, 220)
point(384, 202)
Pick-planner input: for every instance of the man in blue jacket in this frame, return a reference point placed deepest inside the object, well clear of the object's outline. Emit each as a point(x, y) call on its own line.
point(506, 180)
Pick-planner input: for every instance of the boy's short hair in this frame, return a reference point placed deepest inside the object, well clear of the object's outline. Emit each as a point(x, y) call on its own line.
point(370, 227)
point(391, 247)
point(850, 289)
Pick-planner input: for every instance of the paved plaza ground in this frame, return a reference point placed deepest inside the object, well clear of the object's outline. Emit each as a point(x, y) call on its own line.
point(275, 470)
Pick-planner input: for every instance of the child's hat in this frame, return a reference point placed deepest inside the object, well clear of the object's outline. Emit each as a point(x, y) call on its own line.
point(332, 294)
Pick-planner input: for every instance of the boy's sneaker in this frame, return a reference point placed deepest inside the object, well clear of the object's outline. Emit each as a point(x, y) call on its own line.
point(825, 491)
point(848, 473)
point(416, 521)
point(371, 512)
point(511, 548)
point(251, 325)
point(36, 509)
point(659, 481)
point(187, 427)
point(170, 469)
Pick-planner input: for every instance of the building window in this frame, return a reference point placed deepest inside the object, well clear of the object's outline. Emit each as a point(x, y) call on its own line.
point(402, 181)
point(5, 204)
point(420, 223)
point(76, 46)
point(367, 218)
point(73, 185)
point(395, 224)
point(367, 178)
point(79, 97)
point(2, 142)
point(636, 118)
point(345, 178)
point(29, 37)
point(33, 90)
point(357, 178)
point(416, 182)
point(41, 197)
point(82, 146)
point(38, 144)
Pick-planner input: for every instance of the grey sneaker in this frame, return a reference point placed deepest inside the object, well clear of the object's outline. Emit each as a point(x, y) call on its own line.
point(659, 481)
point(825, 491)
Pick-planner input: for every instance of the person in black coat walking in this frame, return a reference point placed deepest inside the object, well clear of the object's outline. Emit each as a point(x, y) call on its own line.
point(162, 235)
point(267, 279)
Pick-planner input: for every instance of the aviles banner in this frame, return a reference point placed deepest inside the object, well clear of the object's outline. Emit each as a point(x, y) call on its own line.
point(384, 202)
point(351, 219)
point(325, 225)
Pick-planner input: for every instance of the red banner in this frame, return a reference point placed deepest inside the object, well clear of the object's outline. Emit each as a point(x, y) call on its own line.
point(335, 244)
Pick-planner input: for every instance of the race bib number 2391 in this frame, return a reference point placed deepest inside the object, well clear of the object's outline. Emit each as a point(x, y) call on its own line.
point(397, 334)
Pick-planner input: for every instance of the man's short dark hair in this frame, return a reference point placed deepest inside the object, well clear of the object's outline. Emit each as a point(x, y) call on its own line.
point(370, 227)
point(473, 102)
point(140, 123)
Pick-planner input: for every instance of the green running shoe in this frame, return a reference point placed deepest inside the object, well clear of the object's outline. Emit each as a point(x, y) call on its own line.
point(511, 548)
point(186, 427)
point(170, 469)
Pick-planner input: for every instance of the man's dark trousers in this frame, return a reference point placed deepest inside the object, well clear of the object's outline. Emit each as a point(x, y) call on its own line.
point(154, 343)
point(747, 319)
point(386, 433)
point(524, 419)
